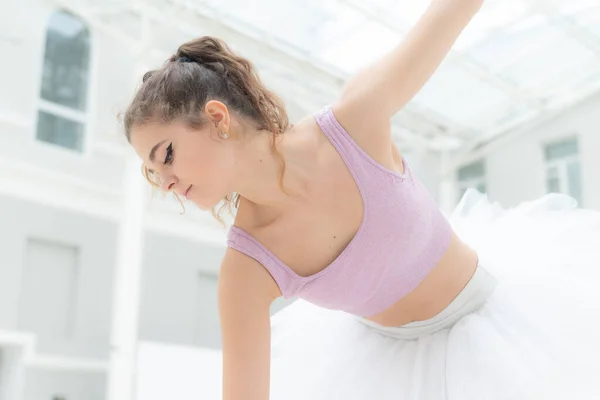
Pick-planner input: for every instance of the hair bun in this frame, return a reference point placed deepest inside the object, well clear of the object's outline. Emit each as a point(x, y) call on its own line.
point(216, 66)
point(148, 75)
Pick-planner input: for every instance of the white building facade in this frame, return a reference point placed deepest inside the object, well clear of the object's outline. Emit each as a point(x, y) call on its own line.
point(558, 154)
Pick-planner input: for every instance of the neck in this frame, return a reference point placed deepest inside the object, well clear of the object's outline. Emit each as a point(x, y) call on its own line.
point(259, 172)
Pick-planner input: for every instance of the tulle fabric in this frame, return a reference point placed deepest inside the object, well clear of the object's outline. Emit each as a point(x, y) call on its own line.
point(536, 337)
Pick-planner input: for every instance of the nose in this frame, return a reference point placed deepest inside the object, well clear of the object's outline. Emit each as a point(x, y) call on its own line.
point(168, 183)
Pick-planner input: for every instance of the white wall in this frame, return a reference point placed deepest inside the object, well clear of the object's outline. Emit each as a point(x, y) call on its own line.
point(178, 299)
point(95, 240)
point(58, 195)
point(67, 385)
point(515, 166)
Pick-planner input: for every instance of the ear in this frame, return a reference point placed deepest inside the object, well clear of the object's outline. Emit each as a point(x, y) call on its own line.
point(218, 114)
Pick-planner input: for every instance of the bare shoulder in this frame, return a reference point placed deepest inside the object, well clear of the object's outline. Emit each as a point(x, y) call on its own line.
point(370, 131)
point(241, 276)
point(358, 117)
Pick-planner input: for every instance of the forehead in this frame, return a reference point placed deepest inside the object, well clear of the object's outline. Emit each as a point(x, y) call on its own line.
point(145, 137)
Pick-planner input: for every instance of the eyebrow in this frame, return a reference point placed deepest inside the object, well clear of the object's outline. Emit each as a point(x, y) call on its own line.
point(153, 151)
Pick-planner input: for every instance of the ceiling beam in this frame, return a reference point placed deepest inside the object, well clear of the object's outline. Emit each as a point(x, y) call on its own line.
point(570, 27)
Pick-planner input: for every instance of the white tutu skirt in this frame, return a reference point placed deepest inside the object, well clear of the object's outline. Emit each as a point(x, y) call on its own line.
point(535, 333)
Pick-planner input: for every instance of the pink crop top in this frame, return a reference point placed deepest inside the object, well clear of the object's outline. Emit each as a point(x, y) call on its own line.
point(401, 238)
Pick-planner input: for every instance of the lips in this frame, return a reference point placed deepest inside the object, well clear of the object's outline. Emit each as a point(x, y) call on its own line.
point(187, 191)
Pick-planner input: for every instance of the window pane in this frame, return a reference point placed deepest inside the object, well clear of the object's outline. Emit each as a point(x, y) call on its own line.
point(475, 170)
point(66, 62)
point(574, 176)
point(60, 131)
point(561, 149)
point(553, 184)
point(552, 172)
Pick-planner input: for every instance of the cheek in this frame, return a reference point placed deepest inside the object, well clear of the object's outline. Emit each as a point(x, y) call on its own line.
point(207, 167)
point(218, 175)
point(211, 180)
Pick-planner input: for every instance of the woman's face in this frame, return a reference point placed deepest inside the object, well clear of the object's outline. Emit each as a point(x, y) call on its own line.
point(197, 164)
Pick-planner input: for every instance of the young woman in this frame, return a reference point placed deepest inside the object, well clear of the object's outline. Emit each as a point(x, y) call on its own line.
point(396, 301)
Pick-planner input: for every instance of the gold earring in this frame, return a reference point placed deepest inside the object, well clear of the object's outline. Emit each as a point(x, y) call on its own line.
point(224, 135)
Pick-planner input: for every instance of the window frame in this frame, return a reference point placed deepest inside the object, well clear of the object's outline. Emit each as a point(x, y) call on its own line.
point(562, 166)
point(462, 185)
point(87, 117)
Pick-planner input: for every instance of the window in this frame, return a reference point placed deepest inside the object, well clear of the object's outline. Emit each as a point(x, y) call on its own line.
point(62, 114)
point(472, 176)
point(563, 168)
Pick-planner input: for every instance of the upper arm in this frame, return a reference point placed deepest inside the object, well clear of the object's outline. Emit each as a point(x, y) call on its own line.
point(245, 293)
point(376, 93)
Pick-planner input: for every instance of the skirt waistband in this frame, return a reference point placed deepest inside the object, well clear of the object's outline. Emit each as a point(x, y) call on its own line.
point(470, 299)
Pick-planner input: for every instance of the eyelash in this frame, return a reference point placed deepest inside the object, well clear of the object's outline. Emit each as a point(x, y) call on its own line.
point(169, 156)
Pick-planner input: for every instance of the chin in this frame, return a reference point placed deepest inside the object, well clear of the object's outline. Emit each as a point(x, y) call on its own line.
point(206, 205)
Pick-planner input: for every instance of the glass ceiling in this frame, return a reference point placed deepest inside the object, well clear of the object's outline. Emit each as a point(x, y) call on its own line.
point(518, 58)
point(517, 61)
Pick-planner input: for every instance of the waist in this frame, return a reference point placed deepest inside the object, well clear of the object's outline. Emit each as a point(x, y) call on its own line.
point(470, 299)
point(441, 286)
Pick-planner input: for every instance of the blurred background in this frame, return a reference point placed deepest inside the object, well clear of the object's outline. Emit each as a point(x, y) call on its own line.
point(108, 292)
